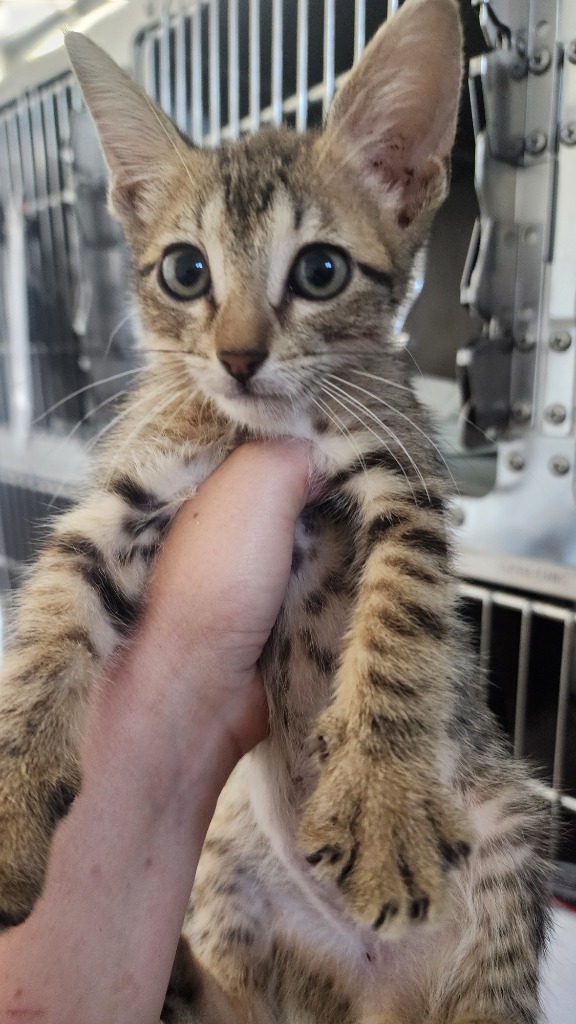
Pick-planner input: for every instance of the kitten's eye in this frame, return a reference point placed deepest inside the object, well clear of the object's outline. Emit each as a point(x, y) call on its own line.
point(319, 272)
point(184, 272)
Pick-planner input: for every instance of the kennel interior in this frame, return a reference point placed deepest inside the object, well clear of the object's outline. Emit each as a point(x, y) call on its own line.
point(492, 328)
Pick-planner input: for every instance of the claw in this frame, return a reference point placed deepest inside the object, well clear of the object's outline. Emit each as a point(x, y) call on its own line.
point(333, 853)
point(419, 909)
point(456, 854)
point(387, 913)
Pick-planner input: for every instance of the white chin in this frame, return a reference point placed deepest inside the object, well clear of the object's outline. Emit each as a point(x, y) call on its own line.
point(265, 415)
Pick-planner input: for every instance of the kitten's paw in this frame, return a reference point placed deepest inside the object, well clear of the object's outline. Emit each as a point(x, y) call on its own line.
point(385, 838)
point(30, 809)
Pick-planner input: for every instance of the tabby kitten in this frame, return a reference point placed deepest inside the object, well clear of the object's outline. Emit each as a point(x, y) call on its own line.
point(375, 860)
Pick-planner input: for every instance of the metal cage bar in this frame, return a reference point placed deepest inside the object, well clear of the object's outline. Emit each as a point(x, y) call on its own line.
point(359, 27)
point(277, 62)
point(561, 687)
point(302, 67)
point(214, 52)
point(522, 680)
point(254, 62)
point(196, 31)
point(329, 81)
point(233, 70)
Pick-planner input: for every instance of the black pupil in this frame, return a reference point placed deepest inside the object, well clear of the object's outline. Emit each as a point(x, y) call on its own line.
point(318, 269)
point(188, 269)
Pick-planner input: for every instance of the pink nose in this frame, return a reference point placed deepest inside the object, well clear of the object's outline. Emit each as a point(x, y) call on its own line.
point(242, 365)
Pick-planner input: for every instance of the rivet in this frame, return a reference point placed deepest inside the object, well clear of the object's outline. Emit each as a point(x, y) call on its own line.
point(519, 68)
point(535, 143)
point(568, 134)
point(516, 461)
point(571, 51)
point(559, 465)
point(526, 343)
point(521, 412)
point(540, 61)
point(555, 413)
point(560, 342)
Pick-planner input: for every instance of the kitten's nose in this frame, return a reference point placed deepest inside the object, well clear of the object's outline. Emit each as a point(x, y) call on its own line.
point(244, 364)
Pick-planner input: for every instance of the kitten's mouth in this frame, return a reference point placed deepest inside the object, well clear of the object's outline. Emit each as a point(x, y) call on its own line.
point(250, 392)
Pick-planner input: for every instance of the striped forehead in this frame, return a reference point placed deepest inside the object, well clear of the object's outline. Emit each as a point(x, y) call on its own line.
point(254, 171)
point(258, 249)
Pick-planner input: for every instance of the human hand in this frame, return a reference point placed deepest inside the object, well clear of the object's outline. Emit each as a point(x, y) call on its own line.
point(220, 580)
point(171, 717)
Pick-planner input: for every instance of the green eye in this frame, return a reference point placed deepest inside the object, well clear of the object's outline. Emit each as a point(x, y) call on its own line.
point(319, 272)
point(184, 272)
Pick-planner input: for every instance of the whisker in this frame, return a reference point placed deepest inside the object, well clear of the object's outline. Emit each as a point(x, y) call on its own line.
point(119, 326)
point(397, 412)
point(153, 109)
point(155, 412)
point(388, 430)
point(352, 412)
point(90, 445)
point(122, 415)
point(74, 430)
point(92, 412)
point(338, 422)
point(383, 380)
point(413, 358)
point(87, 387)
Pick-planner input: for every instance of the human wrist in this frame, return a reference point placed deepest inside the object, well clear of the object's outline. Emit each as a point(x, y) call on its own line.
point(183, 726)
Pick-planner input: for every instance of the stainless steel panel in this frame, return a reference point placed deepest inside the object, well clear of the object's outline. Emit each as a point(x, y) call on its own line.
point(527, 648)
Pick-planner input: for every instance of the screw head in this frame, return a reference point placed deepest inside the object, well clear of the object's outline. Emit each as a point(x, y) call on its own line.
point(516, 461)
point(571, 51)
point(526, 343)
point(535, 143)
point(521, 412)
point(519, 68)
point(540, 61)
point(568, 134)
point(556, 413)
point(560, 342)
point(559, 465)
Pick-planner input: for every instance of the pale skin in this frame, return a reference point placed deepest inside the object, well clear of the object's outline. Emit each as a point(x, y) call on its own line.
point(171, 720)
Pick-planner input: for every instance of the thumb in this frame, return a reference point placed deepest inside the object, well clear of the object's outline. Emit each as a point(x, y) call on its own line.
point(230, 549)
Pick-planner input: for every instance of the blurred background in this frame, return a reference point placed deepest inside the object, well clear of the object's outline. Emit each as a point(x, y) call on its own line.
point(491, 330)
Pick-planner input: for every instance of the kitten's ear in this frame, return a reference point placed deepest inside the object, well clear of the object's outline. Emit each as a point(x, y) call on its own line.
point(140, 143)
point(394, 119)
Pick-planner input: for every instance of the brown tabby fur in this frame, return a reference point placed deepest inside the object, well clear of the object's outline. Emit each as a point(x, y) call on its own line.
point(376, 860)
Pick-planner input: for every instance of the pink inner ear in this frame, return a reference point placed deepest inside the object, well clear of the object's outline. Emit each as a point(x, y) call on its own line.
point(396, 115)
point(393, 168)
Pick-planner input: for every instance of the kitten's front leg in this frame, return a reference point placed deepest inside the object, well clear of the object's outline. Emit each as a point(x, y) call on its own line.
point(80, 603)
point(383, 823)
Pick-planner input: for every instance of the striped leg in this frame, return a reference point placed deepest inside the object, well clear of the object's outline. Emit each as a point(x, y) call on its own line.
point(490, 974)
point(194, 997)
point(381, 823)
point(81, 600)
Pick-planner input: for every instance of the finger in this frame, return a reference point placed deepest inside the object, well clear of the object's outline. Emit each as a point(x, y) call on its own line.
point(230, 548)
